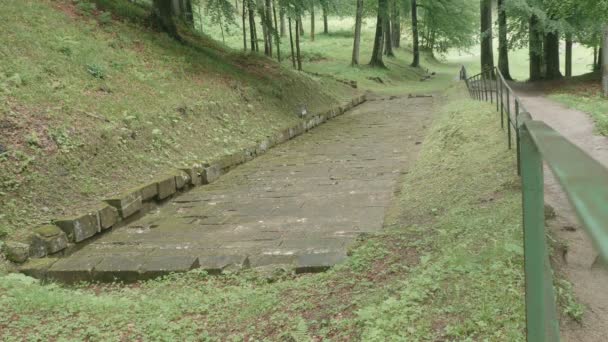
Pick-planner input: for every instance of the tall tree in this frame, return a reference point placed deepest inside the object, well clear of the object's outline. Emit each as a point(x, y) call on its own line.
point(388, 39)
point(605, 62)
point(325, 8)
point(415, 38)
point(293, 55)
point(164, 16)
point(487, 52)
point(551, 49)
point(535, 49)
point(298, 56)
point(376, 59)
point(396, 24)
point(312, 20)
point(503, 44)
point(357, 42)
point(275, 33)
point(568, 62)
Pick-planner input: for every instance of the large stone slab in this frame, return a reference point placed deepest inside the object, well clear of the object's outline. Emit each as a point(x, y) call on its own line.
point(127, 204)
point(81, 227)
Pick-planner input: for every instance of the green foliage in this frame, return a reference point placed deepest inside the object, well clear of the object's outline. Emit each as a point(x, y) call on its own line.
point(96, 70)
point(565, 296)
point(448, 24)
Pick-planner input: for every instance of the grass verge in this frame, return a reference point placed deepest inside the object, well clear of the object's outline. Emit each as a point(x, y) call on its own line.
point(584, 93)
point(448, 267)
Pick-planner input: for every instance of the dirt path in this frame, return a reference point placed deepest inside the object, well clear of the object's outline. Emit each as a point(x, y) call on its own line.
point(301, 204)
point(589, 280)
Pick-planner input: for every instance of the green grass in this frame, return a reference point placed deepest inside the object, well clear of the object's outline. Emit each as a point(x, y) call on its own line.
point(449, 267)
point(584, 93)
point(582, 60)
point(90, 105)
point(331, 54)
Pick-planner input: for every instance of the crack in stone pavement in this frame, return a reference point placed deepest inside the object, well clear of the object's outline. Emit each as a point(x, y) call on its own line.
point(300, 205)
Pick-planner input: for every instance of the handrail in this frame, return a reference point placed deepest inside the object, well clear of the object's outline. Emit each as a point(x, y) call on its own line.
point(583, 179)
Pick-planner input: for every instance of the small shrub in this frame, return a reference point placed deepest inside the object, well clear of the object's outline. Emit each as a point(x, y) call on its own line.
point(85, 7)
point(96, 71)
point(105, 18)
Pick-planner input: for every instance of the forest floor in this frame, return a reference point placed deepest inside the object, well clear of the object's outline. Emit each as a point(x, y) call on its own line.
point(578, 264)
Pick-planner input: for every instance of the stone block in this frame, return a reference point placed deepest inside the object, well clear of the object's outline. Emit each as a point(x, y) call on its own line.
point(73, 270)
point(211, 174)
point(17, 252)
point(38, 268)
point(148, 191)
point(195, 173)
point(318, 262)
point(215, 264)
point(111, 268)
point(108, 216)
point(272, 259)
point(166, 187)
point(81, 227)
point(47, 240)
point(263, 146)
point(282, 136)
point(182, 179)
point(127, 204)
point(154, 266)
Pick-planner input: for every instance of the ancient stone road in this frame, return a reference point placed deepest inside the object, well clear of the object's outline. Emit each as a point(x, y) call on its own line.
point(301, 204)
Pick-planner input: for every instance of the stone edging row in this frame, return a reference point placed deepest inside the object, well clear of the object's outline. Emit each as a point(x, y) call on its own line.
point(65, 233)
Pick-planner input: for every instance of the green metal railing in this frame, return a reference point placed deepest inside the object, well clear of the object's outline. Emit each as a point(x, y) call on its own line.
point(583, 179)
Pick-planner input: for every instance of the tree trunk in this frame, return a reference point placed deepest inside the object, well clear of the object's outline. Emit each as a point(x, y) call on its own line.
point(312, 21)
point(551, 48)
point(535, 50)
point(568, 54)
point(298, 56)
point(325, 24)
point(244, 15)
point(189, 15)
point(263, 21)
point(357, 42)
point(487, 52)
point(376, 60)
point(503, 44)
point(396, 26)
point(282, 17)
point(275, 33)
point(293, 55)
point(600, 58)
point(605, 62)
point(595, 58)
point(163, 13)
point(415, 38)
point(388, 39)
point(269, 28)
point(252, 29)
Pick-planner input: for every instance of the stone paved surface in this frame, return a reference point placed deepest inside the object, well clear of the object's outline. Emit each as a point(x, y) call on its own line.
point(301, 204)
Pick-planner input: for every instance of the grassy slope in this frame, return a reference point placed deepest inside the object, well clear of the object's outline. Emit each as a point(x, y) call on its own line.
point(456, 274)
point(89, 106)
point(331, 54)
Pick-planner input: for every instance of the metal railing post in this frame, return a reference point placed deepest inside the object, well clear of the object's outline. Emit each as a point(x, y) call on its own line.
point(541, 324)
point(485, 86)
point(497, 89)
point(502, 106)
point(517, 140)
point(509, 116)
point(491, 72)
